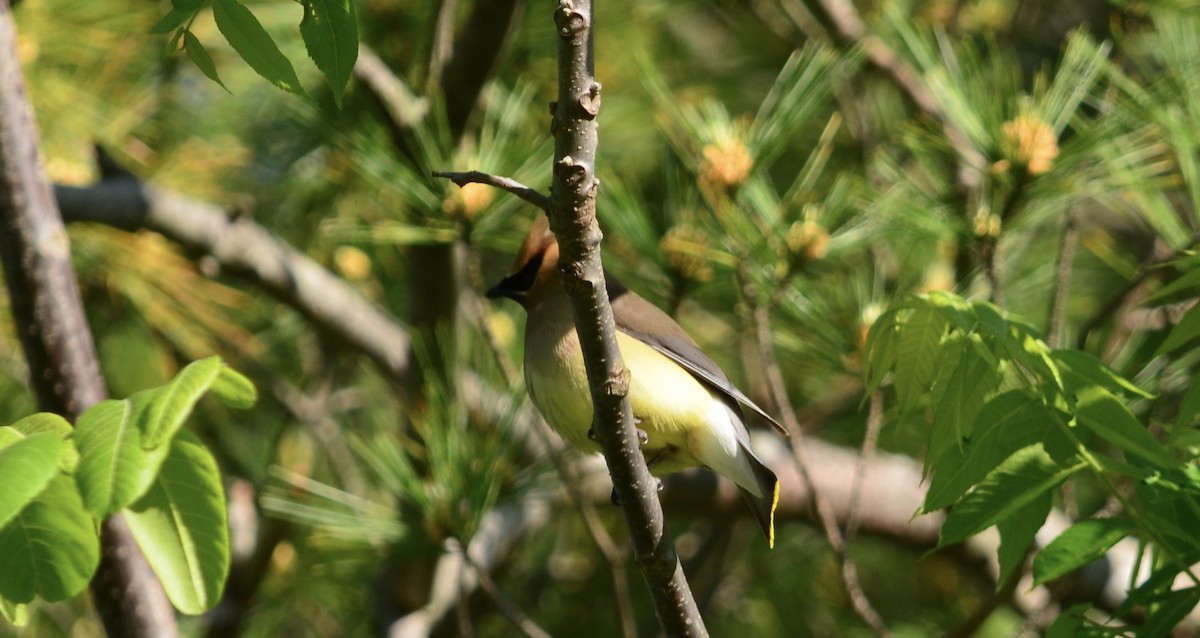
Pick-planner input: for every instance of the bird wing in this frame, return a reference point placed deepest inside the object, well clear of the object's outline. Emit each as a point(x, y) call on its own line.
point(635, 316)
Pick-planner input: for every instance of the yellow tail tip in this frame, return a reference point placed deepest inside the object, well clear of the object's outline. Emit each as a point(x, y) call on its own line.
point(774, 504)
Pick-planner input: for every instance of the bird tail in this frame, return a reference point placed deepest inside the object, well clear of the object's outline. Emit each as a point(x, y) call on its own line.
point(763, 506)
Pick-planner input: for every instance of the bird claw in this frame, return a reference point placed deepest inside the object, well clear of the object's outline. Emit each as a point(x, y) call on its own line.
point(615, 498)
point(591, 434)
point(642, 437)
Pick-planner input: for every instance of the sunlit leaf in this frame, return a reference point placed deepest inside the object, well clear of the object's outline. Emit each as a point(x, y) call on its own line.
point(1023, 477)
point(26, 467)
point(330, 32)
point(251, 41)
point(180, 524)
point(1101, 412)
point(174, 402)
point(114, 469)
point(1079, 545)
point(233, 389)
point(50, 549)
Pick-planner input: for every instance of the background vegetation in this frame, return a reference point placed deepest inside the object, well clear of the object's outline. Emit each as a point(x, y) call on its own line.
point(780, 176)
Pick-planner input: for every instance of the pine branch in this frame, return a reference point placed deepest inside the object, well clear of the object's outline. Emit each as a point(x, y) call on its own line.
point(48, 312)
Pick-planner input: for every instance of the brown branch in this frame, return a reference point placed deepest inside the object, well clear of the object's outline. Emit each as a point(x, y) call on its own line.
point(58, 346)
point(241, 246)
point(573, 219)
point(507, 607)
point(404, 108)
point(507, 183)
point(476, 51)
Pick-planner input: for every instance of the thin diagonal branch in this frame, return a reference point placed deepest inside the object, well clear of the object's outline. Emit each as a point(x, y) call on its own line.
point(241, 246)
point(833, 533)
point(507, 183)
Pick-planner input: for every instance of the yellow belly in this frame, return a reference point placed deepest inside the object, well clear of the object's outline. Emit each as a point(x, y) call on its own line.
point(667, 401)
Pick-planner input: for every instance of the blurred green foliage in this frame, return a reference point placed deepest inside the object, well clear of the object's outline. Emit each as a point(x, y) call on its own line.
point(743, 146)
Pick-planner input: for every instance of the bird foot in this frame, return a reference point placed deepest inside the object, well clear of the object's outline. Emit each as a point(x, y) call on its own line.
point(642, 437)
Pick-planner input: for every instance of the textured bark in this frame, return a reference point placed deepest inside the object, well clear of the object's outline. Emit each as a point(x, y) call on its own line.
point(573, 219)
point(48, 314)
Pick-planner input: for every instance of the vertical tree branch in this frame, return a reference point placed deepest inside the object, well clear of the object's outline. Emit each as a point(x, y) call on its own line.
point(48, 313)
point(573, 219)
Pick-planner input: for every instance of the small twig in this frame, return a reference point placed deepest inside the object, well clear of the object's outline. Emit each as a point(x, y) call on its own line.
point(829, 524)
point(507, 183)
point(987, 254)
point(504, 604)
point(403, 106)
point(1062, 281)
point(869, 445)
point(443, 40)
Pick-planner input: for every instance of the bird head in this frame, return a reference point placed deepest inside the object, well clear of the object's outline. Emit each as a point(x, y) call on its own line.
point(534, 273)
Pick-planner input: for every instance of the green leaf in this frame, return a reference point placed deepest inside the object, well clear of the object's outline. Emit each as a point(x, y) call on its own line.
point(962, 387)
point(16, 614)
point(1188, 282)
point(1007, 423)
point(1187, 329)
point(175, 401)
point(251, 41)
point(26, 467)
point(1096, 371)
point(68, 456)
point(50, 549)
point(1017, 533)
point(1079, 545)
point(1101, 412)
point(917, 352)
point(1165, 615)
point(330, 33)
point(199, 57)
point(1069, 624)
point(114, 468)
point(233, 389)
point(1189, 406)
point(173, 20)
point(1019, 480)
point(180, 525)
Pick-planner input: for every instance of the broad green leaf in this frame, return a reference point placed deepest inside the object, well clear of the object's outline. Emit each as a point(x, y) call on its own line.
point(1101, 412)
point(174, 402)
point(1189, 407)
point(233, 389)
point(114, 468)
point(880, 350)
point(917, 353)
point(1188, 282)
point(68, 456)
point(1007, 423)
point(199, 56)
point(180, 525)
point(173, 20)
point(1092, 369)
point(1069, 624)
point(8, 436)
point(26, 467)
point(50, 549)
point(1165, 615)
point(1017, 533)
point(330, 33)
point(16, 614)
point(1186, 330)
point(251, 41)
point(962, 388)
point(1019, 480)
point(1079, 545)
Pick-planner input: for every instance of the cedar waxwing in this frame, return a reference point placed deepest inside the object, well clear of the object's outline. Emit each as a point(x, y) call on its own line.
point(682, 401)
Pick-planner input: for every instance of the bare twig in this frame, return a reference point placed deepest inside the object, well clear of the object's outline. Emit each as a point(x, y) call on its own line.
point(869, 445)
point(511, 185)
point(508, 609)
point(241, 246)
point(833, 534)
point(54, 334)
